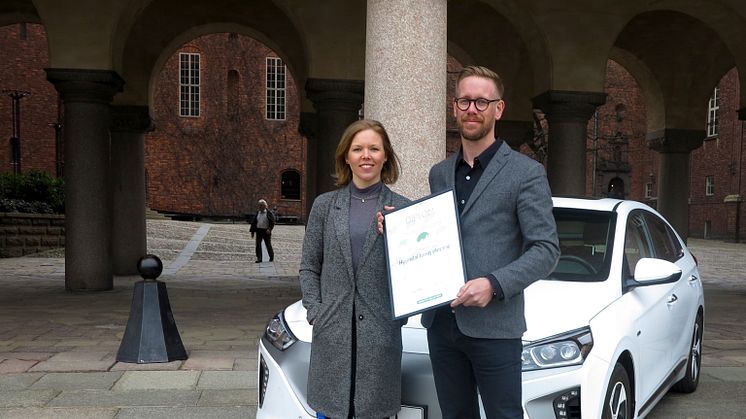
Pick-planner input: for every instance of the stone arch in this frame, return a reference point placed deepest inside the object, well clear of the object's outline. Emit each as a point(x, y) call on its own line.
point(143, 40)
point(16, 11)
point(664, 50)
point(725, 21)
point(501, 35)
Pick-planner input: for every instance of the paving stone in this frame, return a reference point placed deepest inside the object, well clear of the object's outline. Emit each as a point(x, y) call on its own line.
point(26, 398)
point(207, 363)
point(154, 366)
point(245, 364)
point(216, 380)
point(75, 356)
point(235, 397)
point(58, 413)
point(142, 380)
point(726, 374)
point(8, 366)
point(18, 381)
point(245, 412)
point(71, 366)
point(107, 398)
point(77, 381)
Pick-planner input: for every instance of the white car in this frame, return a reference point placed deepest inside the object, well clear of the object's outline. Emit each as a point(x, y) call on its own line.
point(614, 327)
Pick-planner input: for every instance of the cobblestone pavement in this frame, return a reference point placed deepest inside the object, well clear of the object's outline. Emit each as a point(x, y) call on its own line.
point(58, 349)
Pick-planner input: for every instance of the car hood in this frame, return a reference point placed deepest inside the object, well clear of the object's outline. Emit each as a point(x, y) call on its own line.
point(554, 307)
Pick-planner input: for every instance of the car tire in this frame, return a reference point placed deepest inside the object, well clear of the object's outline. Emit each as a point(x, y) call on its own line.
point(619, 398)
point(694, 362)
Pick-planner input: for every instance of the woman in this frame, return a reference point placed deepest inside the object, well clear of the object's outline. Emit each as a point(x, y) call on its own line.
point(356, 350)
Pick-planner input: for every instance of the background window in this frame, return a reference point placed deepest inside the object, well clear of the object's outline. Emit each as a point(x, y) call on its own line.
point(712, 113)
point(664, 241)
point(290, 185)
point(275, 88)
point(649, 190)
point(189, 84)
point(636, 246)
point(710, 185)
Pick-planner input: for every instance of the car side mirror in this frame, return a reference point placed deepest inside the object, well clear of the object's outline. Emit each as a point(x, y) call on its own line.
point(651, 271)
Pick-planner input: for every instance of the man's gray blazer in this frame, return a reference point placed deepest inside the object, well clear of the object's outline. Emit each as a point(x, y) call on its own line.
point(507, 230)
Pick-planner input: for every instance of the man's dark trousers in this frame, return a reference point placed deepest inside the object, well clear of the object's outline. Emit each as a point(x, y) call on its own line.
point(459, 361)
point(263, 234)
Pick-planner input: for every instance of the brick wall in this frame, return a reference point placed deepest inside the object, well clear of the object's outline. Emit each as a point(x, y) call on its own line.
point(22, 68)
point(721, 157)
point(23, 234)
point(622, 116)
point(229, 157)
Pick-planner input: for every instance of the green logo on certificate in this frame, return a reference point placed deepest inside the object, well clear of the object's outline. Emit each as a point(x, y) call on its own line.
point(422, 236)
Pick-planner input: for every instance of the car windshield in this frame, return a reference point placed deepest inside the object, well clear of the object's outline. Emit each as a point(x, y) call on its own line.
point(586, 239)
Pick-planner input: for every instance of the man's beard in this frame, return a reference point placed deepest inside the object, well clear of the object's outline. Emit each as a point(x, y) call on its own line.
point(474, 136)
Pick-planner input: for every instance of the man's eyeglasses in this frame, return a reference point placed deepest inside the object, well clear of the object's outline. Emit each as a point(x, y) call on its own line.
point(481, 104)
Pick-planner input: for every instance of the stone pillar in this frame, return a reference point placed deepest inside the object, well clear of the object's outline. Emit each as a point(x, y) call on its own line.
point(515, 133)
point(567, 114)
point(675, 146)
point(337, 104)
point(86, 95)
point(406, 83)
point(307, 128)
point(128, 237)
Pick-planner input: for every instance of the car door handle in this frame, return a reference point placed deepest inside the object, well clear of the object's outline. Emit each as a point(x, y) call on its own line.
point(672, 299)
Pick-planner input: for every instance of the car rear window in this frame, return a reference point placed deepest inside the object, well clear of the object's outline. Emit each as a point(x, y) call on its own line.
point(586, 240)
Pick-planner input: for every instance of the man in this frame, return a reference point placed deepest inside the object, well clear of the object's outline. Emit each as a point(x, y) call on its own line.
point(509, 239)
point(262, 225)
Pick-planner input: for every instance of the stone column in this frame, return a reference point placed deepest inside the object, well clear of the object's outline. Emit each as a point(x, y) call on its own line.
point(337, 104)
point(405, 83)
point(675, 146)
point(128, 237)
point(307, 128)
point(567, 114)
point(515, 133)
point(86, 95)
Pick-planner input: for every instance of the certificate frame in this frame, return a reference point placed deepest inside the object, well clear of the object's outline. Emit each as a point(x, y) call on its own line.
point(424, 255)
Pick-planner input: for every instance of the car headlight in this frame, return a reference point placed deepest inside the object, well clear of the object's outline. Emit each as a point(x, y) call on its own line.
point(569, 348)
point(278, 333)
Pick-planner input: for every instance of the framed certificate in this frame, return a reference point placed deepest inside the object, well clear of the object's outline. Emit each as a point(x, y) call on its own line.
point(424, 254)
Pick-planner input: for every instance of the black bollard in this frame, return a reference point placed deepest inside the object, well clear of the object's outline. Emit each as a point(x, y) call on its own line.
point(151, 334)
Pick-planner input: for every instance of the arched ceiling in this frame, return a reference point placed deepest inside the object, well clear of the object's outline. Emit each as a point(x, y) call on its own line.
point(14, 11)
point(683, 56)
point(480, 33)
point(678, 48)
point(149, 37)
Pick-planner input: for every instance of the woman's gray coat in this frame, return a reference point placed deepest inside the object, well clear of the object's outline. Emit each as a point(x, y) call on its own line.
point(330, 290)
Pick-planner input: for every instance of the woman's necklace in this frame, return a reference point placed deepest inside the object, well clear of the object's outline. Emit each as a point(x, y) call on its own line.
point(363, 198)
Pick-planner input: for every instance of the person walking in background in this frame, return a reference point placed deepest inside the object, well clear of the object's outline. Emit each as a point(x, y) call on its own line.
point(355, 367)
point(262, 226)
point(509, 239)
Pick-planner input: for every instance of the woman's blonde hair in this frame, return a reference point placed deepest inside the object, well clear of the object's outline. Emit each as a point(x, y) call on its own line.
point(390, 171)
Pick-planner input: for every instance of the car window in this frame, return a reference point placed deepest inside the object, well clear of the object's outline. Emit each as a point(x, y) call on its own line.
point(585, 240)
point(665, 244)
point(636, 245)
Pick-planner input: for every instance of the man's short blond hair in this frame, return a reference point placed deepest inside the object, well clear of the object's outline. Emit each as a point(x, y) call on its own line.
point(485, 73)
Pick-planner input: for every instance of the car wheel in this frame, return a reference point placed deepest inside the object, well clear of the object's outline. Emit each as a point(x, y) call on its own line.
point(619, 398)
point(690, 381)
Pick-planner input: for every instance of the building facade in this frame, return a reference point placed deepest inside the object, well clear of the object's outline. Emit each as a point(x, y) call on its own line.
point(235, 142)
point(230, 140)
